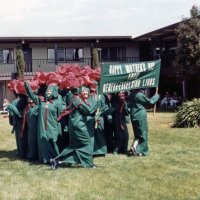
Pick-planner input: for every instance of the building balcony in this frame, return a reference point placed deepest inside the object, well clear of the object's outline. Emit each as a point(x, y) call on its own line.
point(167, 66)
point(8, 70)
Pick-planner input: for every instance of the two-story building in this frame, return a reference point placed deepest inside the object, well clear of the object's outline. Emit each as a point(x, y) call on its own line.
point(45, 53)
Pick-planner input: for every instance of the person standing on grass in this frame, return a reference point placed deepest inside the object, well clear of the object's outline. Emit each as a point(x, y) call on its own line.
point(80, 149)
point(16, 110)
point(109, 125)
point(120, 119)
point(31, 118)
point(138, 115)
point(48, 127)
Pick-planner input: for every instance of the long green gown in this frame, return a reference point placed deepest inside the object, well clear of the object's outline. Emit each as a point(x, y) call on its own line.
point(91, 118)
point(63, 139)
point(80, 149)
point(32, 122)
point(100, 147)
point(16, 109)
point(48, 126)
point(120, 126)
point(138, 115)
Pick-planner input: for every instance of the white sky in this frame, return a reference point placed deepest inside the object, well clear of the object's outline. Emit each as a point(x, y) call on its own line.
point(89, 17)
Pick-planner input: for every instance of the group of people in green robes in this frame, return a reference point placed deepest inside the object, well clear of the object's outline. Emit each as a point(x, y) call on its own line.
point(73, 126)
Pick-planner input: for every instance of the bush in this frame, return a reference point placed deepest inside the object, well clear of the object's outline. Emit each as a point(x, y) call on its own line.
point(20, 63)
point(188, 115)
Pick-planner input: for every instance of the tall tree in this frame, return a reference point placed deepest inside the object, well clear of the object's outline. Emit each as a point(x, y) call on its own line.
point(188, 45)
point(20, 62)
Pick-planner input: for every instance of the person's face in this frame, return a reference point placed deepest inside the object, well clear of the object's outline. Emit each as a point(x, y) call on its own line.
point(49, 93)
point(122, 95)
point(84, 94)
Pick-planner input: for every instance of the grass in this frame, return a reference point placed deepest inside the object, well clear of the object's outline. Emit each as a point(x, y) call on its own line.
point(171, 171)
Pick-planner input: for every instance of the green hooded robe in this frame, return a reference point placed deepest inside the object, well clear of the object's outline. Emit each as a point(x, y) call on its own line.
point(80, 149)
point(138, 115)
point(32, 125)
point(100, 147)
point(48, 126)
point(16, 109)
point(120, 126)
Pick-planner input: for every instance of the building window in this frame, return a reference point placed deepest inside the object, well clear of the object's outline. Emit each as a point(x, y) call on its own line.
point(104, 54)
point(61, 55)
point(6, 56)
point(65, 54)
point(51, 55)
point(74, 54)
point(112, 54)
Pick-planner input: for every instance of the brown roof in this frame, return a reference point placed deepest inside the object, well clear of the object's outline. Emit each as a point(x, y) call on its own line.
point(63, 39)
point(166, 33)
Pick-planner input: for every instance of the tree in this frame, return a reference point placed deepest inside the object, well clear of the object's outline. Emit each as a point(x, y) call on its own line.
point(95, 58)
point(187, 60)
point(20, 62)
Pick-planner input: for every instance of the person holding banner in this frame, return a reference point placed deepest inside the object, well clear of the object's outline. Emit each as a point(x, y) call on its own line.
point(138, 115)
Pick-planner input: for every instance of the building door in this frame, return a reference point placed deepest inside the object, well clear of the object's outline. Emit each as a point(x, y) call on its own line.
point(28, 59)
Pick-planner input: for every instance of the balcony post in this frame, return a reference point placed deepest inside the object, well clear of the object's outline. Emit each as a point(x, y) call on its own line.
point(56, 54)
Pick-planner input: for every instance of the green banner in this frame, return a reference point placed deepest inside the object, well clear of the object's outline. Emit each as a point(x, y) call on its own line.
point(129, 76)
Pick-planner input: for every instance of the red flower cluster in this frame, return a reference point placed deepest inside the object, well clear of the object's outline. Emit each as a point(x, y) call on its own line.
point(67, 76)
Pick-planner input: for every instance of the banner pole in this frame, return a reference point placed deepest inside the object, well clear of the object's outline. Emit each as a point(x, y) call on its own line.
point(154, 108)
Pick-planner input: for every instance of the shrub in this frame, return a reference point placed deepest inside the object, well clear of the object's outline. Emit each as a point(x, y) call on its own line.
point(20, 63)
point(188, 115)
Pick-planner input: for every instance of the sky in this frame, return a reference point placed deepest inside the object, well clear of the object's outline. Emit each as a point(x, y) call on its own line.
point(89, 17)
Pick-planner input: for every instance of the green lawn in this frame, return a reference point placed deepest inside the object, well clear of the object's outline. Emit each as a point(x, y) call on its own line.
point(171, 171)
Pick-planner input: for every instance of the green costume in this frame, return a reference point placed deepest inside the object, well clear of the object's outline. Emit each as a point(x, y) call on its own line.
point(120, 116)
point(138, 115)
point(109, 126)
point(16, 109)
point(100, 147)
point(91, 118)
point(48, 126)
point(80, 149)
point(32, 122)
point(63, 139)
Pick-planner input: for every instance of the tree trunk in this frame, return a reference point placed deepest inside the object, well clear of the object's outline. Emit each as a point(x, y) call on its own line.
point(184, 90)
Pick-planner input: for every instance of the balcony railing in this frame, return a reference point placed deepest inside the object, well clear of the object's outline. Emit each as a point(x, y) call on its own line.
point(31, 67)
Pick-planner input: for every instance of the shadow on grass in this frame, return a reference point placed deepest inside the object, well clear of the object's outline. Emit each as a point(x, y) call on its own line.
point(11, 155)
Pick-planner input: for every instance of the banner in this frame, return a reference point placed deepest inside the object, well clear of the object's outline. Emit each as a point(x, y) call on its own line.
point(129, 76)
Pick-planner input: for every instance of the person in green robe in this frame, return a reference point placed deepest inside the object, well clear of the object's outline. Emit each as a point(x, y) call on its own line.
point(80, 149)
point(120, 118)
point(91, 118)
point(31, 116)
point(109, 125)
point(138, 116)
point(63, 139)
point(48, 127)
point(100, 147)
point(16, 110)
